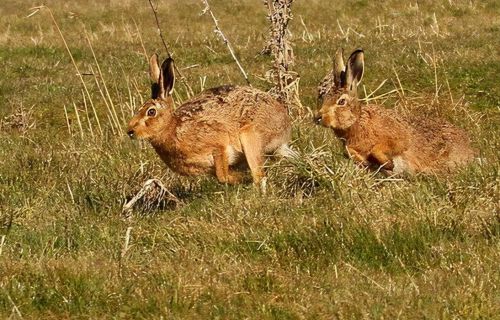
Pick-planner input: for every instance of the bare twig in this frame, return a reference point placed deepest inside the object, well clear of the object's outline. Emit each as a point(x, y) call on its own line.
point(181, 76)
point(155, 12)
point(221, 35)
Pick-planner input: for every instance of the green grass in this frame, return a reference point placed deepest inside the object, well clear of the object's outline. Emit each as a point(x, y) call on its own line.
point(328, 240)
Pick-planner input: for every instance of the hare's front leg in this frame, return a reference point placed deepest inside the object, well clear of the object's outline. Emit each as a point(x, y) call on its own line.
point(252, 147)
point(357, 157)
point(222, 171)
point(380, 154)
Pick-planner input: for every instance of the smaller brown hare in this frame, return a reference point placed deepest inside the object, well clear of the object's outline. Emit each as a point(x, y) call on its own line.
point(381, 138)
point(214, 132)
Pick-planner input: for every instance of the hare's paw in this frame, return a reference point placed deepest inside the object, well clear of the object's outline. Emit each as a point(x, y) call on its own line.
point(357, 157)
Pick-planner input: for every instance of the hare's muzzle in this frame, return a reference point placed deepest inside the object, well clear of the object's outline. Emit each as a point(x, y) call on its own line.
point(317, 119)
point(131, 133)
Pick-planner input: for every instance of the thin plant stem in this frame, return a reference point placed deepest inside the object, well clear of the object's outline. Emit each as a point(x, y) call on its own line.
point(219, 32)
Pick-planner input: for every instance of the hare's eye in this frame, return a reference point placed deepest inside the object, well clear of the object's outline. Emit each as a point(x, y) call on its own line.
point(341, 102)
point(151, 112)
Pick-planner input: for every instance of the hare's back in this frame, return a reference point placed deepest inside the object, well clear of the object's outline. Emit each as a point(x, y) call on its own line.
point(444, 144)
point(438, 132)
point(229, 103)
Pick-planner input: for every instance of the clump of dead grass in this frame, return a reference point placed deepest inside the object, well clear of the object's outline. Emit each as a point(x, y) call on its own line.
point(151, 197)
point(21, 120)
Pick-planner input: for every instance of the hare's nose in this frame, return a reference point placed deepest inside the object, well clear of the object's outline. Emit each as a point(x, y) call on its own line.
point(130, 133)
point(317, 119)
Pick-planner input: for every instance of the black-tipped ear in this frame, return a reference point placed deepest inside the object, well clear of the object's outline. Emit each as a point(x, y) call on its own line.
point(154, 74)
point(167, 78)
point(355, 69)
point(339, 68)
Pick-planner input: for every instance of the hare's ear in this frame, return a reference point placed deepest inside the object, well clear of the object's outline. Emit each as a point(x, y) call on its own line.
point(339, 69)
point(354, 69)
point(154, 74)
point(167, 78)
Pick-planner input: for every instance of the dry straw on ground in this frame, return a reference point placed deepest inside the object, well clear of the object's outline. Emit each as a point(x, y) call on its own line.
point(153, 195)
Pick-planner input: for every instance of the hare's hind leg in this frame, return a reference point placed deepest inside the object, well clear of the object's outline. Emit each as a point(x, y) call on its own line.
point(222, 171)
point(253, 149)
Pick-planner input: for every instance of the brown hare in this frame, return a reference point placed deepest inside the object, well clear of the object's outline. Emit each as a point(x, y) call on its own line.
point(214, 132)
point(377, 137)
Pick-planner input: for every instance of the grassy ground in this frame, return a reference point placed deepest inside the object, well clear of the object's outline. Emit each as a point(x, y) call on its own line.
point(328, 240)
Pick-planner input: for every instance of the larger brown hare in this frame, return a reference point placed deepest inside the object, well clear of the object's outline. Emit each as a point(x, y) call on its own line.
point(377, 137)
point(214, 131)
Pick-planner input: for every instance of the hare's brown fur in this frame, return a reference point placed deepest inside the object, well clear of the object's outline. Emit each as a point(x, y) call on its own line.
point(219, 129)
point(375, 136)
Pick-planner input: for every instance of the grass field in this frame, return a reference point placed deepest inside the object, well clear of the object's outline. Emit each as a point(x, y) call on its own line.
point(328, 240)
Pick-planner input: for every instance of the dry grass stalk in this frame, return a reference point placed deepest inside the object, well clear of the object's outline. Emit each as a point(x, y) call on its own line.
point(367, 277)
point(306, 35)
point(80, 75)
point(131, 100)
point(126, 244)
point(15, 310)
point(2, 242)
point(189, 90)
point(345, 34)
point(144, 52)
point(111, 119)
point(219, 33)
point(107, 99)
point(78, 120)
point(286, 81)
point(67, 121)
point(89, 123)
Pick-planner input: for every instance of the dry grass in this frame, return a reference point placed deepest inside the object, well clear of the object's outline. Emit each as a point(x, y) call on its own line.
point(328, 240)
point(21, 120)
